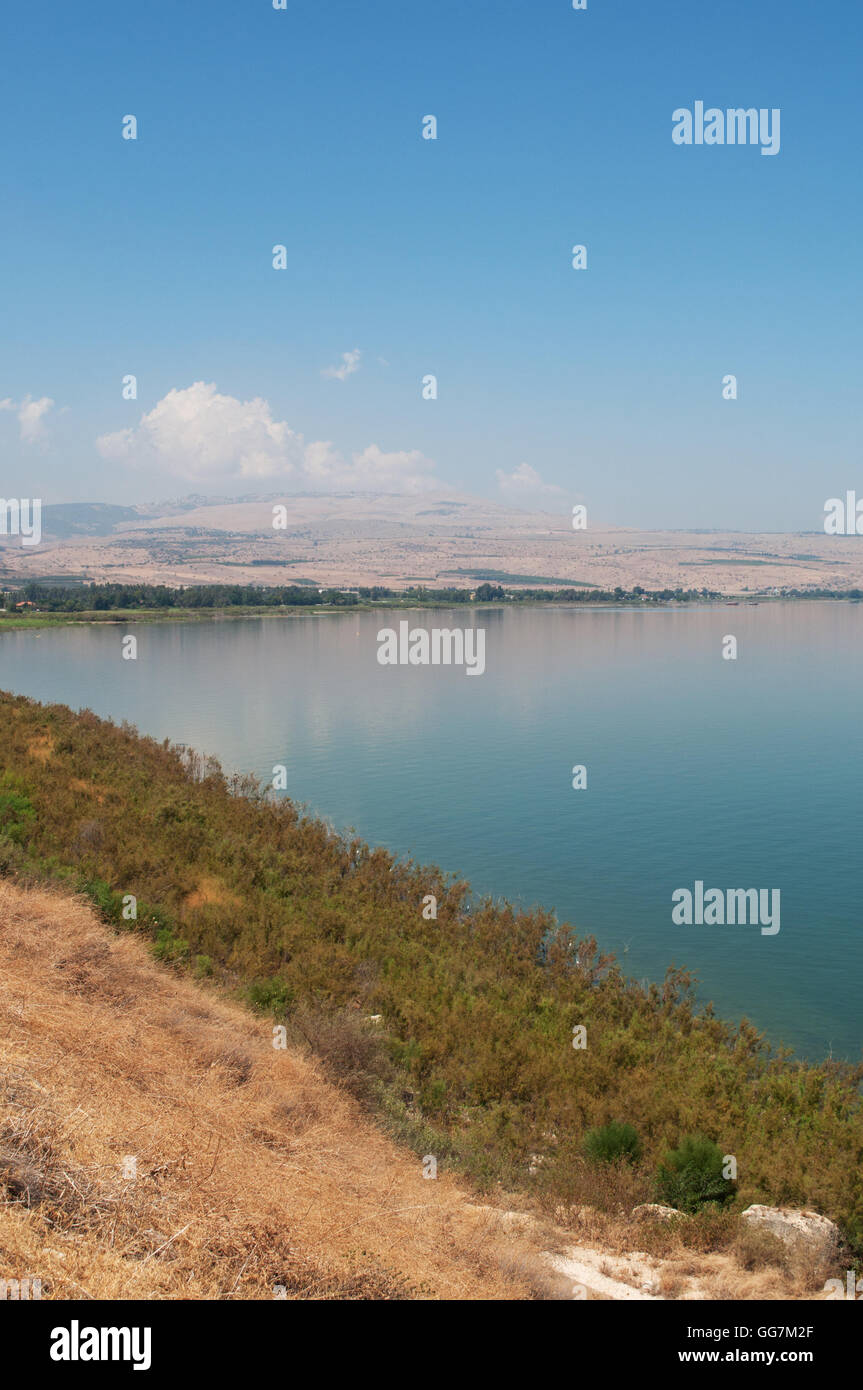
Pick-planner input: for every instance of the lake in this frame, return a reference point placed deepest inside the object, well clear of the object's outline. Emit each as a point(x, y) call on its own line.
point(736, 773)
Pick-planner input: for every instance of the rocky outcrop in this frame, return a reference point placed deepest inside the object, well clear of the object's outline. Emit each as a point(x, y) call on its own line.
point(804, 1232)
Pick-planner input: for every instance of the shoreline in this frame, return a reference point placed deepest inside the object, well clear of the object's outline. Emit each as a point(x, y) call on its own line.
point(335, 940)
point(95, 617)
point(704, 1005)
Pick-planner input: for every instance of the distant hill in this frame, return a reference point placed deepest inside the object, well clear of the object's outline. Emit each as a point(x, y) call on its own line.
point(395, 540)
point(64, 519)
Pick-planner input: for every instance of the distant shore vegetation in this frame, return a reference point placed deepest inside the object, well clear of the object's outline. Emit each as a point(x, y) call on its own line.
point(106, 598)
point(41, 604)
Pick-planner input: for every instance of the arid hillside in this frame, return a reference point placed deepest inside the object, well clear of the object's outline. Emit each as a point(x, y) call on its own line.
point(397, 541)
point(154, 1144)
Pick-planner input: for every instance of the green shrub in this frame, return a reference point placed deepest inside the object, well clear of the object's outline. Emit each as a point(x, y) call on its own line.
point(433, 1098)
point(852, 1234)
point(168, 947)
point(690, 1177)
point(16, 812)
point(608, 1143)
point(103, 897)
point(11, 857)
point(271, 996)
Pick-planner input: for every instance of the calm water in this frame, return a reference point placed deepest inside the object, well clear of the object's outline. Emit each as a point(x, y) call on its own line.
point(740, 773)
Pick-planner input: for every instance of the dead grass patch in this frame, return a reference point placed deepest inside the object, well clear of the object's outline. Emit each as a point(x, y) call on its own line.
point(253, 1173)
point(210, 892)
point(41, 746)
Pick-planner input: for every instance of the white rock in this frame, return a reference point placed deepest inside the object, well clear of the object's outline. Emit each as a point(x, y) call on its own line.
point(655, 1211)
point(805, 1231)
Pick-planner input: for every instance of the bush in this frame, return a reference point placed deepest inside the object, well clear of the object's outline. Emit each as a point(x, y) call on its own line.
point(16, 812)
point(611, 1142)
point(11, 857)
point(103, 897)
point(759, 1249)
point(852, 1235)
point(570, 1180)
point(169, 948)
point(433, 1098)
point(271, 996)
point(353, 1053)
point(708, 1231)
point(690, 1176)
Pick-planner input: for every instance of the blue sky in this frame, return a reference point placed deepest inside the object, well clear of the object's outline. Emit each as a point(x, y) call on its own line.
point(302, 127)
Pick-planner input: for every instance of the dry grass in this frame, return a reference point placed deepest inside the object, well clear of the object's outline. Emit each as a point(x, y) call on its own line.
point(86, 788)
point(253, 1170)
point(708, 1256)
point(210, 892)
point(613, 1188)
point(41, 747)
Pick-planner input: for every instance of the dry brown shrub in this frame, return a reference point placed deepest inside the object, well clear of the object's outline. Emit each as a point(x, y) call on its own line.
point(614, 1188)
point(756, 1249)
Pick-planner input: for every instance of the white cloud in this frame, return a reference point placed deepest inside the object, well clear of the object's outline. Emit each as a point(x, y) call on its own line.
point(31, 413)
point(523, 481)
point(407, 470)
point(371, 470)
point(198, 434)
point(350, 364)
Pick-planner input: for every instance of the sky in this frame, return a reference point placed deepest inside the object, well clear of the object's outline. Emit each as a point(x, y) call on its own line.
point(408, 257)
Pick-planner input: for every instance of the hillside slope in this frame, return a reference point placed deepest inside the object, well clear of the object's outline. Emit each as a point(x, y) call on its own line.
point(252, 1170)
point(472, 1059)
point(154, 1144)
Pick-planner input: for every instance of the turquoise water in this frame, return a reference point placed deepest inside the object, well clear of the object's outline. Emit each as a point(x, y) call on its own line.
point(740, 773)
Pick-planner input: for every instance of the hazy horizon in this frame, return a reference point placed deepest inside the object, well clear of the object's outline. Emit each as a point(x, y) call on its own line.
point(554, 512)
